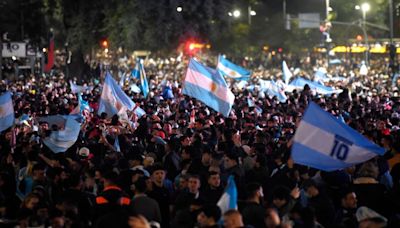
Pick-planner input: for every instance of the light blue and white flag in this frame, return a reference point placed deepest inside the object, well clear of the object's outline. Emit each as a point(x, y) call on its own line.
point(320, 76)
point(228, 199)
point(79, 89)
point(208, 86)
point(113, 99)
point(7, 117)
point(81, 107)
point(286, 73)
point(59, 141)
point(273, 89)
point(324, 142)
point(231, 70)
point(335, 61)
point(251, 102)
point(299, 83)
point(144, 86)
point(134, 88)
point(276, 90)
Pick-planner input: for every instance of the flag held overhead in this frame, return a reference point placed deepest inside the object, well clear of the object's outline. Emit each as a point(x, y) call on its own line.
point(208, 86)
point(324, 142)
point(231, 70)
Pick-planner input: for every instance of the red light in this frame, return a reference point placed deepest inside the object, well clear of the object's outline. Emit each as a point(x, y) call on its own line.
point(104, 43)
point(280, 49)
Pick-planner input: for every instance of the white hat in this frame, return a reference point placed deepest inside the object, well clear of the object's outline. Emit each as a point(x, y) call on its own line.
point(84, 152)
point(364, 213)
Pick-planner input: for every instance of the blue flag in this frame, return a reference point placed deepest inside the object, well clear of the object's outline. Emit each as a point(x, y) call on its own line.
point(324, 142)
point(229, 69)
point(7, 117)
point(228, 199)
point(208, 86)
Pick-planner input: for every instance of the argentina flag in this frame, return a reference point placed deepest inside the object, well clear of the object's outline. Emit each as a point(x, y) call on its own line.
point(231, 70)
point(228, 199)
point(114, 100)
point(6, 111)
point(59, 141)
point(207, 85)
point(324, 142)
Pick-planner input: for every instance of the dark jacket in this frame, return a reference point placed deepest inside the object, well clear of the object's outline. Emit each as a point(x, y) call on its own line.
point(253, 214)
point(110, 200)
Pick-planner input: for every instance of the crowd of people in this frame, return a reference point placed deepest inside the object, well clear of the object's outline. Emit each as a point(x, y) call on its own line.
point(172, 164)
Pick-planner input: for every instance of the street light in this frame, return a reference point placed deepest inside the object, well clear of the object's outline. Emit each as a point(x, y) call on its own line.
point(179, 9)
point(365, 7)
point(236, 13)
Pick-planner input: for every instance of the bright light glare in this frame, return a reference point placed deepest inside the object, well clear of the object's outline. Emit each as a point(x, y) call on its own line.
point(253, 13)
point(365, 7)
point(236, 13)
point(179, 9)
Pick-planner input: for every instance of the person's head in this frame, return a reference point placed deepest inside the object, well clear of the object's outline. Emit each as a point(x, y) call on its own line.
point(280, 196)
point(110, 178)
point(183, 181)
point(185, 141)
point(209, 215)
point(158, 175)
point(368, 169)
point(214, 179)
point(373, 223)
point(138, 221)
point(39, 172)
point(31, 201)
point(134, 159)
point(254, 191)
point(230, 160)
point(194, 184)
point(349, 199)
point(206, 157)
point(140, 185)
point(233, 219)
point(311, 188)
point(271, 218)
